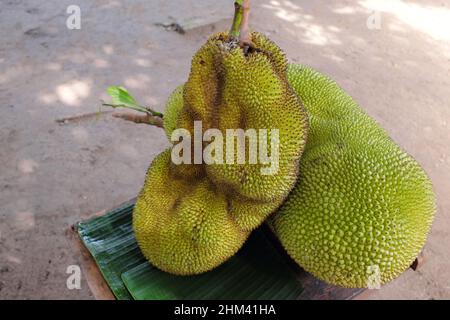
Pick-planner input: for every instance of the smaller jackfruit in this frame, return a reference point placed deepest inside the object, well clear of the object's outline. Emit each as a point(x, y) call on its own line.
point(362, 208)
point(182, 225)
point(189, 218)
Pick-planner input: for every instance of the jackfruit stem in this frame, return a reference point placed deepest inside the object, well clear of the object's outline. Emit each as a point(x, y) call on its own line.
point(237, 20)
point(135, 108)
point(150, 116)
point(141, 118)
point(244, 37)
point(239, 29)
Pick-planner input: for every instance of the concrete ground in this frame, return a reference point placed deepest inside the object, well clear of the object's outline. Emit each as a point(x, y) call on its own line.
point(392, 56)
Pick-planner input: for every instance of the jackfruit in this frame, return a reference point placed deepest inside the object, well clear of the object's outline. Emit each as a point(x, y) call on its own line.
point(183, 225)
point(362, 208)
point(189, 218)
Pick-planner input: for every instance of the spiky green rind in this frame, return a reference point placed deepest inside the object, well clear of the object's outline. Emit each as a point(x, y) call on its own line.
point(362, 208)
point(183, 225)
point(173, 107)
point(190, 218)
point(255, 94)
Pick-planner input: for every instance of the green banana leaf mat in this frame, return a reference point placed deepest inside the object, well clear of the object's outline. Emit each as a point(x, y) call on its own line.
point(260, 270)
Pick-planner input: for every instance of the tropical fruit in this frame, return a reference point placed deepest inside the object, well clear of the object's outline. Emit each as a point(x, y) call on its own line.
point(191, 217)
point(362, 208)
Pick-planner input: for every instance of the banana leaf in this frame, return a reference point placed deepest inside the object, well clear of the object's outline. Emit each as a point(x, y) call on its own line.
point(258, 271)
point(111, 242)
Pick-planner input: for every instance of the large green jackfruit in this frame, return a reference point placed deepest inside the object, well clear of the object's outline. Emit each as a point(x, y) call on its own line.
point(190, 218)
point(362, 208)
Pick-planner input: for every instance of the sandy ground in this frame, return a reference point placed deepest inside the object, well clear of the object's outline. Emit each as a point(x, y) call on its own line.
point(53, 175)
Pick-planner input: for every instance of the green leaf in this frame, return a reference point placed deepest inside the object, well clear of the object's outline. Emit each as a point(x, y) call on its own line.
point(121, 96)
point(257, 271)
point(111, 242)
point(260, 270)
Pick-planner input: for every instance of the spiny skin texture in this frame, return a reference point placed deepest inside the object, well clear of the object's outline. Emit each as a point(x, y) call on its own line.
point(190, 218)
point(361, 203)
point(173, 107)
point(182, 225)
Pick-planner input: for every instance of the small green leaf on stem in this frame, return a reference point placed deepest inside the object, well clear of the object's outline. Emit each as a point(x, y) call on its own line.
point(121, 96)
